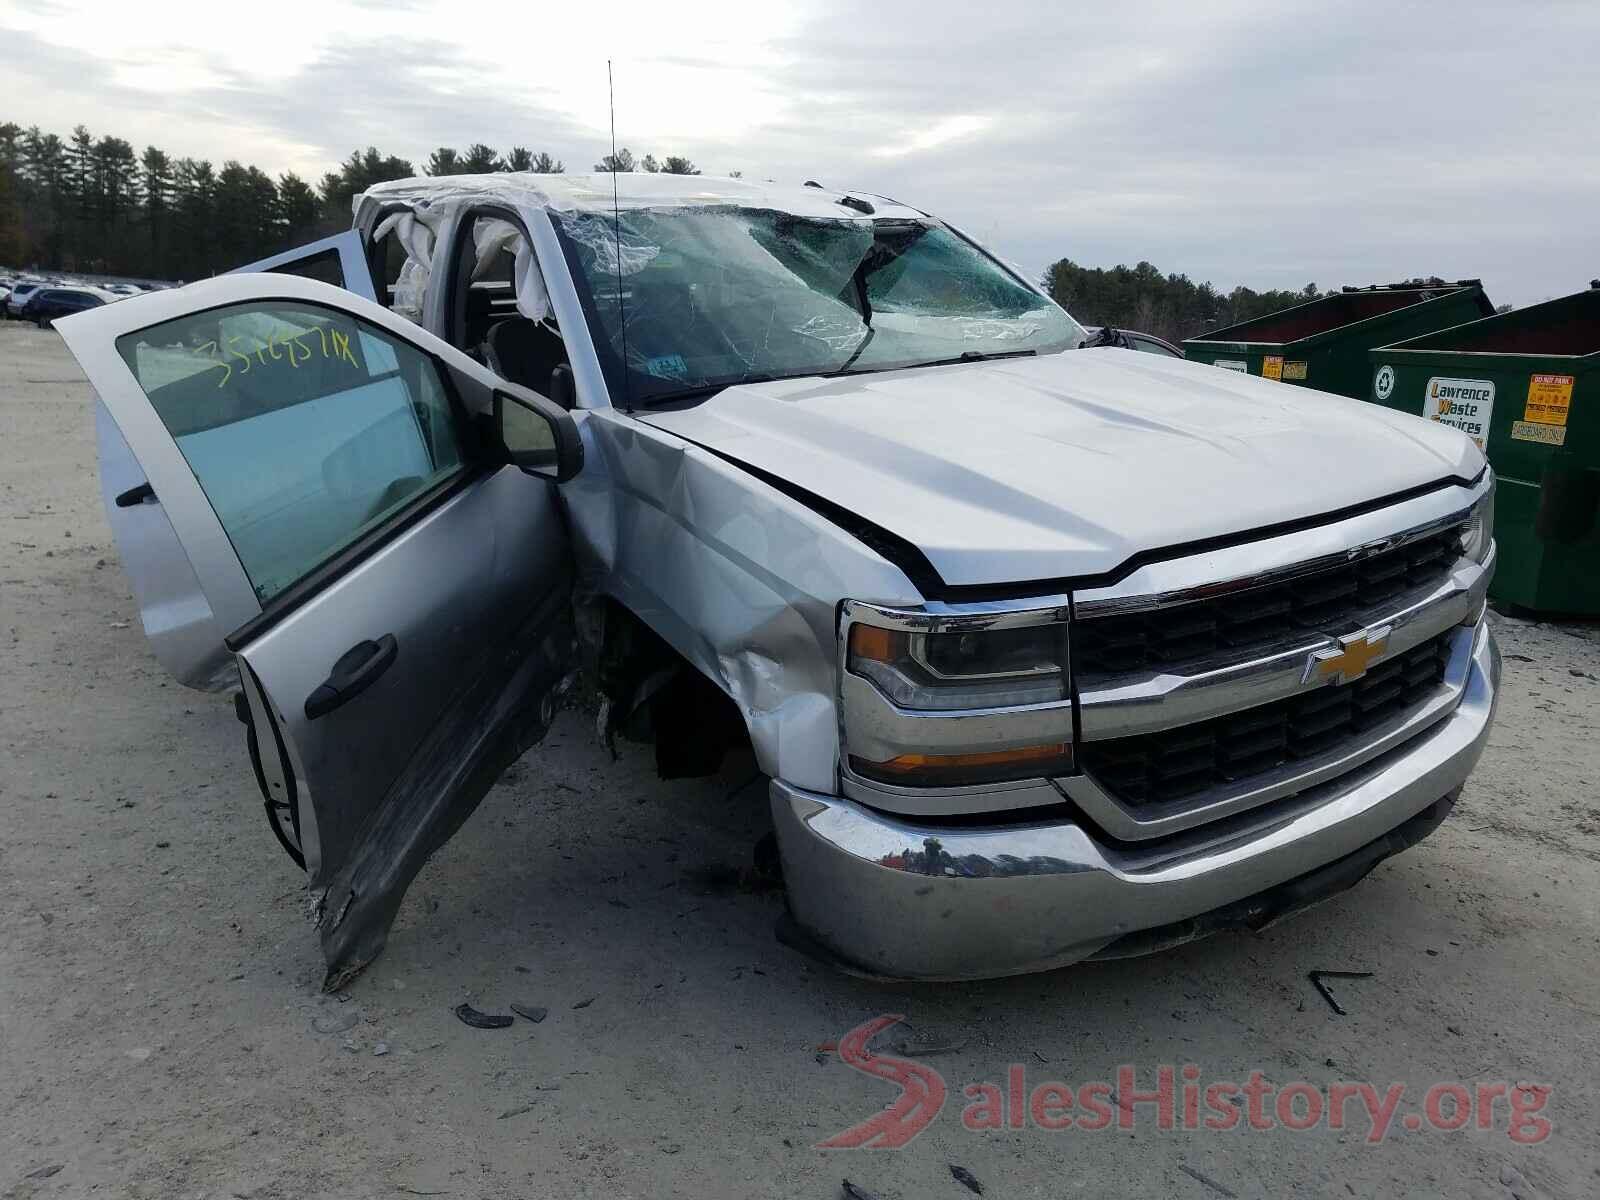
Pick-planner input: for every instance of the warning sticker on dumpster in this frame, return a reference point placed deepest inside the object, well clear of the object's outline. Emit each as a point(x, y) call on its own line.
point(1464, 404)
point(1294, 370)
point(1232, 364)
point(1549, 398)
point(1533, 431)
point(1272, 366)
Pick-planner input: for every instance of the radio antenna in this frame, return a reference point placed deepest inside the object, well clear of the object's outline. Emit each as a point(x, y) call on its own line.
point(616, 230)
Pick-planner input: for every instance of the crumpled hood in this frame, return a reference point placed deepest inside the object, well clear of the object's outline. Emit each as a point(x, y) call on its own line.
point(1045, 468)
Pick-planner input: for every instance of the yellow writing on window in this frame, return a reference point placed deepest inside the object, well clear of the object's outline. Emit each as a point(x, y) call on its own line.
point(237, 356)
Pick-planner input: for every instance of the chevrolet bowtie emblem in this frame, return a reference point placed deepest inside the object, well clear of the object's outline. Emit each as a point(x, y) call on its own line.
point(1350, 659)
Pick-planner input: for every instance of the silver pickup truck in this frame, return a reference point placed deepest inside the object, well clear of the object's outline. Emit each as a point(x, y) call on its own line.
point(1047, 652)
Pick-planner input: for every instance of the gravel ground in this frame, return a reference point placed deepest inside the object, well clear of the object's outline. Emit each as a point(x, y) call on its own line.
point(162, 1035)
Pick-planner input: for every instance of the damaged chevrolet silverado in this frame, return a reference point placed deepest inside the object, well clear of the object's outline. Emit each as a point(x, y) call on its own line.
point(1047, 652)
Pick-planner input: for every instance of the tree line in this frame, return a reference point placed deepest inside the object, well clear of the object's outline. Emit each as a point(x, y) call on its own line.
point(1173, 306)
point(1170, 306)
point(96, 205)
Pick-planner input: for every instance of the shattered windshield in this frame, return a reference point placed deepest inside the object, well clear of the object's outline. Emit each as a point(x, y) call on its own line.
point(720, 295)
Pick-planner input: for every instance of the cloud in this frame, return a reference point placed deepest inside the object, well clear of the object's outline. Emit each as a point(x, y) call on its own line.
point(940, 133)
point(1239, 141)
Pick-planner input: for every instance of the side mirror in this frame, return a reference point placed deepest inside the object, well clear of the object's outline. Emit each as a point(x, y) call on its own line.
point(538, 437)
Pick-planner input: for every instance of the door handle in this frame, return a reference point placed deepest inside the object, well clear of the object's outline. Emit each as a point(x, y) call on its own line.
point(358, 669)
point(136, 495)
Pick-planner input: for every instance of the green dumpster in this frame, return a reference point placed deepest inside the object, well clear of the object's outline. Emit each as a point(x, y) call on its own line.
point(1323, 343)
point(1526, 386)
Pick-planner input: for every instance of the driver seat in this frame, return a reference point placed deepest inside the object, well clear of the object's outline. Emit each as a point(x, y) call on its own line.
point(525, 352)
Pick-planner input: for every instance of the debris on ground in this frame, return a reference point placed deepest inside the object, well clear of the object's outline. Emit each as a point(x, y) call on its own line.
point(923, 1049)
point(46, 1172)
point(852, 1191)
point(479, 1020)
point(966, 1179)
point(1517, 1186)
point(584, 1003)
point(1211, 1183)
point(516, 1112)
point(1317, 977)
point(530, 1012)
point(380, 1049)
point(337, 1022)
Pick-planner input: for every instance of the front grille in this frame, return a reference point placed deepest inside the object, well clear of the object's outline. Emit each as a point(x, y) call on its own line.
point(1156, 768)
point(1324, 601)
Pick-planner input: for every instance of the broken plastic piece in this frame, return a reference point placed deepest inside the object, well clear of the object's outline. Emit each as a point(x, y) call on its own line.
point(481, 1020)
point(1317, 977)
point(966, 1179)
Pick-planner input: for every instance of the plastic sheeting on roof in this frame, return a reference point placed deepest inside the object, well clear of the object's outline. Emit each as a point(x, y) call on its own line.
point(593, 193)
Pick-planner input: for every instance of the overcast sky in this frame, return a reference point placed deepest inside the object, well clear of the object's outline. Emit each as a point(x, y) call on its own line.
point(1270, 143)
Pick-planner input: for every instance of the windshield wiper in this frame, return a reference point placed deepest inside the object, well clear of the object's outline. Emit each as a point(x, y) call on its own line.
point(699, 392)
point(969, 356)
point(859, 350)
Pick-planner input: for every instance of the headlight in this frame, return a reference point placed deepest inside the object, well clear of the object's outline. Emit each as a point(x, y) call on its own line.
point(1477, 535)
point(955, 701)
point(993, 668)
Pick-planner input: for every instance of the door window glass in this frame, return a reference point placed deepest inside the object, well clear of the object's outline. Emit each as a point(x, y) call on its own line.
point(304, 425)
point(324, 266)
point(1148, 346)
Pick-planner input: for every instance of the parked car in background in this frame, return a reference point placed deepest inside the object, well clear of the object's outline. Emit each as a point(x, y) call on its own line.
point(18, 299)
point(49, 303)
point(1130, 339)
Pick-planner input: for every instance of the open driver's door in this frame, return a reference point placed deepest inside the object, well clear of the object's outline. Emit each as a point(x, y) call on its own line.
point(393, 589)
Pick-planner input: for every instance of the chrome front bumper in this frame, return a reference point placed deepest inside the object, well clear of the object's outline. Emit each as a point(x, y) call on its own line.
point(895, 898)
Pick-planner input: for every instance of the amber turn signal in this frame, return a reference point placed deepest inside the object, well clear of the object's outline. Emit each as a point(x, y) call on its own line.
point(875, 644)
point(982, 766)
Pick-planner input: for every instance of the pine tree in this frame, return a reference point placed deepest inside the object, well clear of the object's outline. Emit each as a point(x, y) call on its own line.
point(622, 160)
point(156, 179)
point(443, 161)
point(479, 160)
point(297, 210)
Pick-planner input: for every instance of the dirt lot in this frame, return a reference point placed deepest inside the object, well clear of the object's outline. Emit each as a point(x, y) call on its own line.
point(161, 1028)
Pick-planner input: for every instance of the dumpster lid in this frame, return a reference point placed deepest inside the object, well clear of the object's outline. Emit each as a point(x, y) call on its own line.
point(1346, 307)
point(1567, 327)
